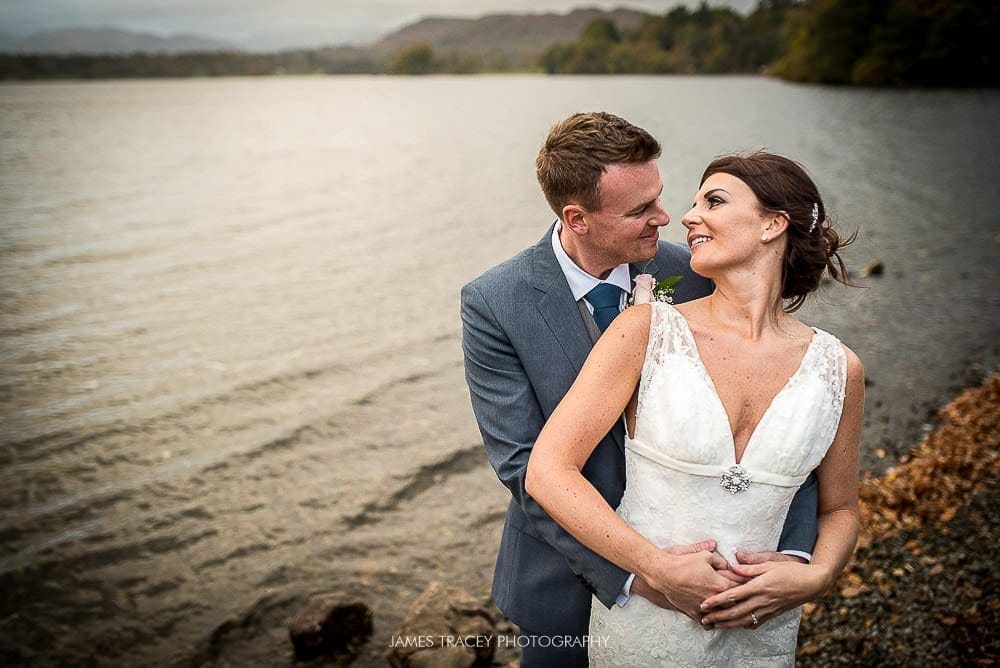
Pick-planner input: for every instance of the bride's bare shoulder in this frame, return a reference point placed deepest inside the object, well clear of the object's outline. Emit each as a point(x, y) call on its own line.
point(624, 342)
point(633, 321)
point(855, 369)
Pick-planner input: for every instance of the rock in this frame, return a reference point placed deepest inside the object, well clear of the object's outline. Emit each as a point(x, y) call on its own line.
point(443, 657)
point(329, 624)
point(873, 268)
point(445, 626)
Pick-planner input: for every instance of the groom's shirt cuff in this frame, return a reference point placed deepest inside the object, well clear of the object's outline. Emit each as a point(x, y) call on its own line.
point(626, 593)
point(798, 553)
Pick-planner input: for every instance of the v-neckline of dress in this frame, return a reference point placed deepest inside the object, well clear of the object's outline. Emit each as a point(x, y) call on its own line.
point(722, 406)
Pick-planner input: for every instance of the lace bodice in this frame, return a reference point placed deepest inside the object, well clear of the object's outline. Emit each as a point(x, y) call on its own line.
point(676, 463)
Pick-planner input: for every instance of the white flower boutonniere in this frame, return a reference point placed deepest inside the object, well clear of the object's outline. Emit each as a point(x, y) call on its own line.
point(646, 290)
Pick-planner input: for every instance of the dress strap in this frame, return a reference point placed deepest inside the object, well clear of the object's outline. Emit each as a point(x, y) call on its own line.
point(666, 338)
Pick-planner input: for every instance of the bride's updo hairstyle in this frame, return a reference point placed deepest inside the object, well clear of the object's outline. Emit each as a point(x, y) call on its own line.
point(782, 186)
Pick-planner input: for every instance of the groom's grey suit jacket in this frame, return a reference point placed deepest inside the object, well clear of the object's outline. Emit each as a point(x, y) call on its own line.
point(525, 340)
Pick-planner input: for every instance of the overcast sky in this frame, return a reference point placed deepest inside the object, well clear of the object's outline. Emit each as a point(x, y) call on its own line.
point(270, 24)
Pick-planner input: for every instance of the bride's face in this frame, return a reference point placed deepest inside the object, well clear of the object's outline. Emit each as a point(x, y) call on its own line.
point(725, 224)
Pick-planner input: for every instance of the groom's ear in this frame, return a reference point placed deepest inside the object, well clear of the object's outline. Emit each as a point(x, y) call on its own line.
point(574, 217)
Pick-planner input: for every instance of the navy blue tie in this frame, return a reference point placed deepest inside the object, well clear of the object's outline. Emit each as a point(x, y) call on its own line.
point(606, 300)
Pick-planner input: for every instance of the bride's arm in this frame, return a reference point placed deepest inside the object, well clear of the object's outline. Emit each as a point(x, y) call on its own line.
point(779, 586)
point(838, 482)
point(554, 479)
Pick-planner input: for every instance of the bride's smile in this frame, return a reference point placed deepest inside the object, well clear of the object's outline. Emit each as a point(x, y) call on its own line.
point(698, 239)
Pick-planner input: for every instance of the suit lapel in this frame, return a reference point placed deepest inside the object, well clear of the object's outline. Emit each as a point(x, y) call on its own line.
point(562, 314)
point(645, 268)
point(556, 304)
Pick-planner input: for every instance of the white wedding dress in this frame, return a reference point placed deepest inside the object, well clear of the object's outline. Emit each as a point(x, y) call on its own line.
point(684, 485)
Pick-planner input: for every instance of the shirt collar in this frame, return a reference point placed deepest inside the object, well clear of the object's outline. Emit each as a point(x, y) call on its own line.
point(580, 282)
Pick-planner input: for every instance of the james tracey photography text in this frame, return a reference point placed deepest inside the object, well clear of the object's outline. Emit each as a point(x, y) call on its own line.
point(500, 641)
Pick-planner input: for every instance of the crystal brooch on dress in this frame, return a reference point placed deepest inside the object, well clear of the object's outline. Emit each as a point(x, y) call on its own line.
point(735, 479)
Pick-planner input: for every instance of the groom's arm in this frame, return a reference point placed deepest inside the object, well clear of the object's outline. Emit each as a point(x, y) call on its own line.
point(798, 536)
point(510, 419)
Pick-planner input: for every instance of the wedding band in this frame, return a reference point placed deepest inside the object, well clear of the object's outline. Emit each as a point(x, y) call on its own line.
point(753, 618)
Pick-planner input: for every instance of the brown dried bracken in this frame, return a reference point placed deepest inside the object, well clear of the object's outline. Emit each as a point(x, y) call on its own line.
point(953, 463)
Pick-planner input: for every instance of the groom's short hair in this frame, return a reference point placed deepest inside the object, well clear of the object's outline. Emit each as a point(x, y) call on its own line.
point(579, 149)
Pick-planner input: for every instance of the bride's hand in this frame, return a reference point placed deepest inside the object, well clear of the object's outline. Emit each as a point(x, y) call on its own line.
point(685, 580)
point(773, 588)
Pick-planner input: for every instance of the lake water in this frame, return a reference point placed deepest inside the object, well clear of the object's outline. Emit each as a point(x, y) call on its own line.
point(230, 365)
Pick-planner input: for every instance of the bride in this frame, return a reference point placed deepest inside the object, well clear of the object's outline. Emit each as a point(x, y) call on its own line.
point(729, 403)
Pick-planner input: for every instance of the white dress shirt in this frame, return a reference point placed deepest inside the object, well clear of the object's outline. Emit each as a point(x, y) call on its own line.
point(580, 282)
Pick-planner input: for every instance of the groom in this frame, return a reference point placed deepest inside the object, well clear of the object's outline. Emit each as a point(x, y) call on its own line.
point(528, 324)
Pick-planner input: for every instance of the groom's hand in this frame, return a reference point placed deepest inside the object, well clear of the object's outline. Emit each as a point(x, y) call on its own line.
point(703, 546)
point(763, 557)
point(642, 588)
point(749, 558)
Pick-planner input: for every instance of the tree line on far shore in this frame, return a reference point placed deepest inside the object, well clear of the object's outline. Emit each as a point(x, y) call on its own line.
point(212, 64)
point(867, 42)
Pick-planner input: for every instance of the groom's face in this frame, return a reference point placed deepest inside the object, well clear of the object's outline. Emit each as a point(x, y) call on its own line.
point(626, 228)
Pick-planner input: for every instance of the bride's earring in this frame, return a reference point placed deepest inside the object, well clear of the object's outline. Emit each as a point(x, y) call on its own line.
point(763, 237)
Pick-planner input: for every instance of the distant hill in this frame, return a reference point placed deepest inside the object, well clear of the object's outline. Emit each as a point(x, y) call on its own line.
point(517, 38)
point(514, 39)
point(110, 41)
